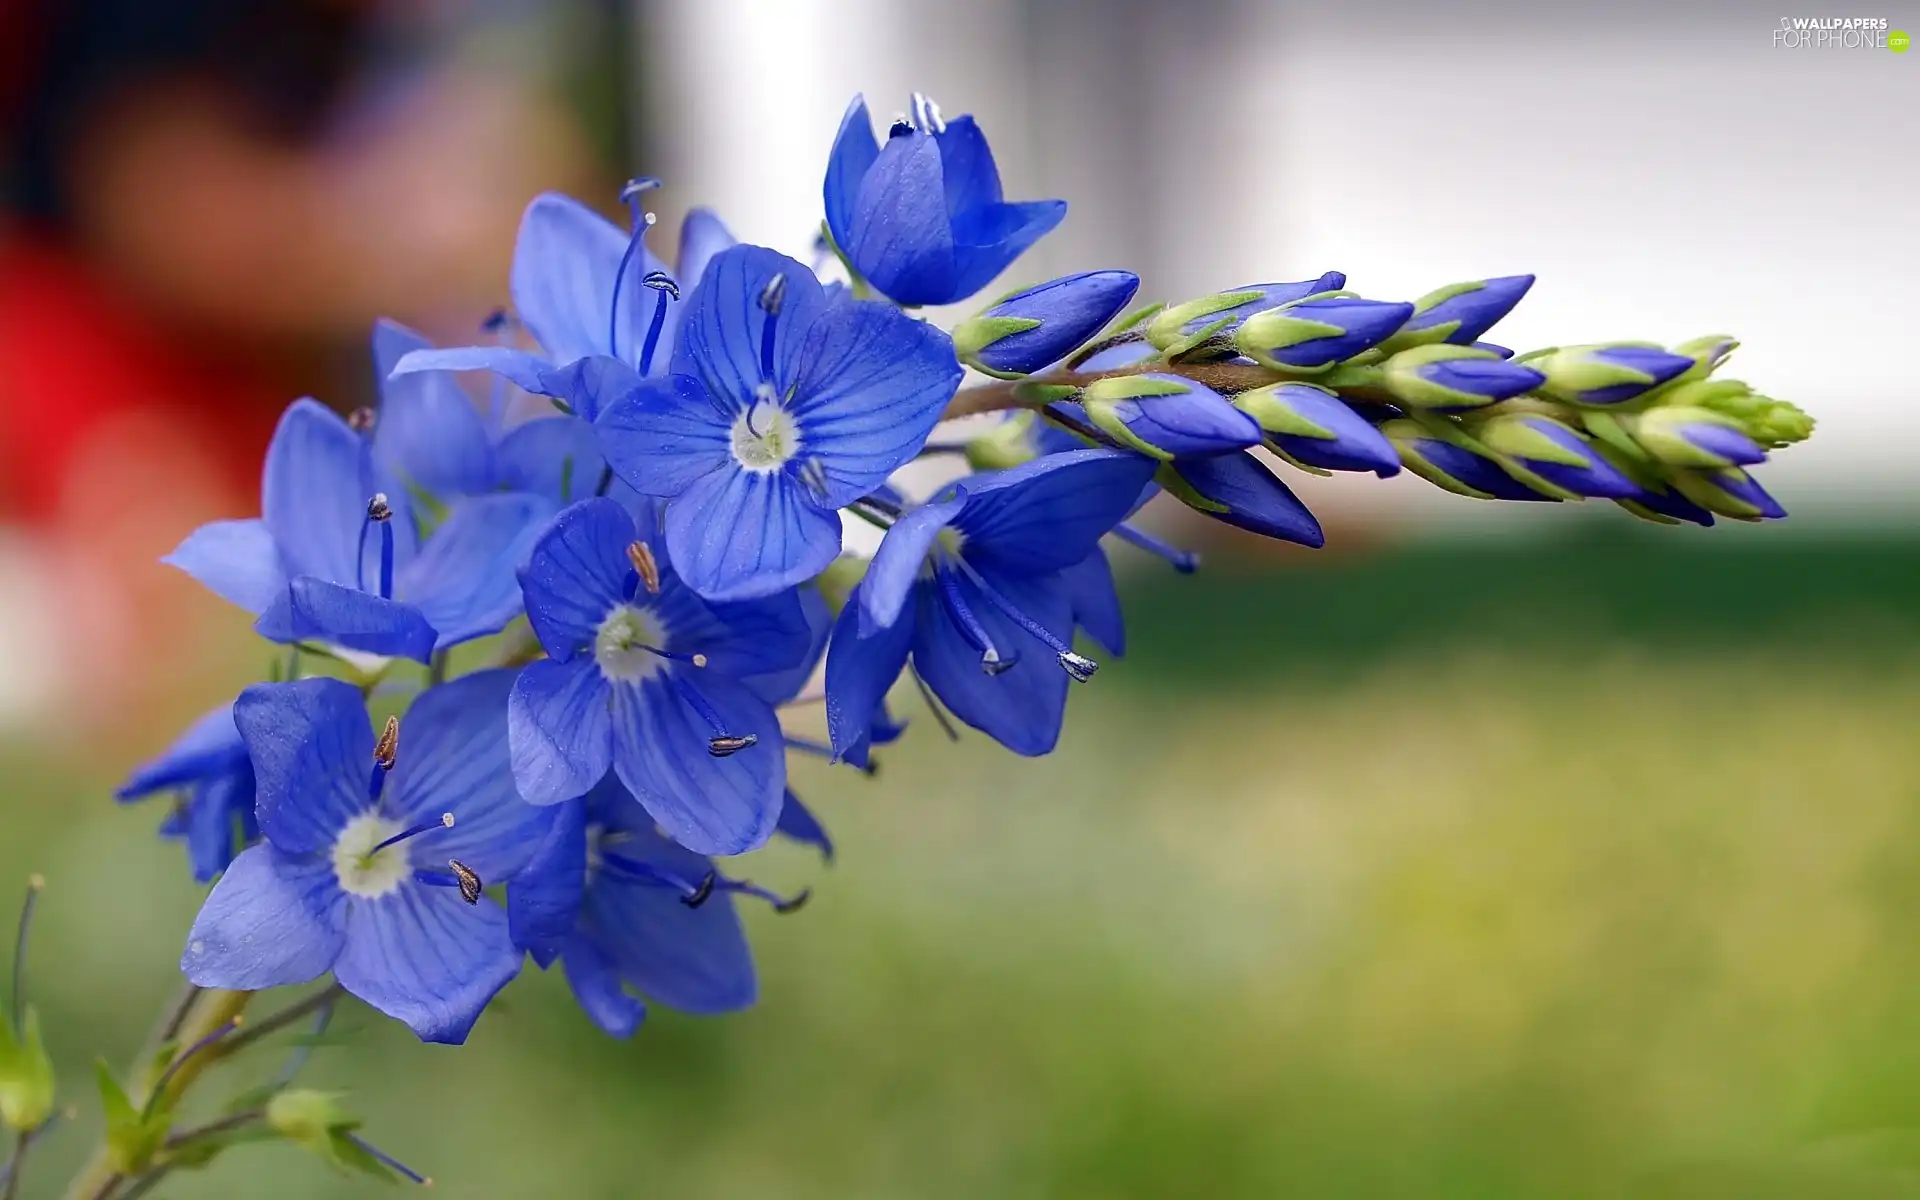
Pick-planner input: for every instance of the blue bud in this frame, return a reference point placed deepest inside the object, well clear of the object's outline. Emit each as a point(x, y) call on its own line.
point(1447, 378)
point(1237, 489)
point(1040, 326)
point(1607, 374)
point(1556, 453)
point(1167, 416)
point(1455, 467)
point(1315, 333)
point(1686, 436)
point(1460, 312)
point(1178, 328)
point(1316, 428)
point(1666, 506)
point(1731, 492)
point(1495, 350)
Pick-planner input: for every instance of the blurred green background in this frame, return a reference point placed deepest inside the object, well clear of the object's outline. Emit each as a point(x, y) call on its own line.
point(1581, 868)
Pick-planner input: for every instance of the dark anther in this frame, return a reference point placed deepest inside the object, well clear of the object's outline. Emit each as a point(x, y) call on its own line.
point(495, 322)
point(378, 509)
point(660, 281)
point(645, 566)
point(1079, 667)
point(388, 746)
point(773, 295)
point(728, 744)
point(993, 664)
point(796, 904)
point(901, 127)
point(470, 884)
point(700, 894)
point(361, 420)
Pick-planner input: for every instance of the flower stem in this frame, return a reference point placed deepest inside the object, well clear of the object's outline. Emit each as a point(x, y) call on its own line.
point(1001, 393)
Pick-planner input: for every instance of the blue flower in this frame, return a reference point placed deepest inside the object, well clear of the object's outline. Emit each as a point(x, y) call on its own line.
point(782, 407)
point(643, 676)
point(587, 291)
point(974, 587)
point(922, 219)
point(622, 907)
point(363, 873)
point(208, 769)
point(336, 556)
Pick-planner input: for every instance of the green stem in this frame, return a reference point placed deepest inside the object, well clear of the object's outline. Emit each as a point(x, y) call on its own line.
point(16, 1165)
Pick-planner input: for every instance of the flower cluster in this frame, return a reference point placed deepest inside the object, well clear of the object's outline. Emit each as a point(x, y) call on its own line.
point(656, 561)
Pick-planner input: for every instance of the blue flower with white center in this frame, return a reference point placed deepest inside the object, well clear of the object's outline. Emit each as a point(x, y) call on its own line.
point(922, 218)
point(623, 908)
point(210, 773)
point(586, 291)
point(973, 586)
point(643, 676)
point(782, 407)
point(336, 556)
point(375, 852)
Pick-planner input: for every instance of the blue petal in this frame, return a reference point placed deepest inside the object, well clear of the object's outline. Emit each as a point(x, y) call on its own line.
point(211, 828)
point(967, 169)
point(988, 245)
point(1191, 423)
point(589, 385)
point(1070, 311)
point(454, 757)
point(1021, 708)
point(1096, 603)
point(316, 610)
point(543, 901)
point(211, 745)
point(900, 237)
point(1476, 311)
point(1355, 445)
point(720, 335)
point(1250, 498)
point(314, 495)
point(556, 457)
point(854, 150)
point(463, 580)
point(778, 685)
point(665, 436)
point(576, 573)
point(903, 553)
point(528, 372)
point(711, 805)
point(873, 384)
point(860, 670)
point(798, 823)
point(737, 534)
point(312, 751)
point(1050, 513)
point(702, 237)
point(429, 435)
point(692, 959)
point(423, 955)
point(564, 267)
point(559, 730)
point(1596, 477)
point(235, 560)
point(597, 988)
point(271, 921)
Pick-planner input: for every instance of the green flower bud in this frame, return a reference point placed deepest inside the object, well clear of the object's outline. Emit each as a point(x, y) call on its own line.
point(1707, 354)
point(26, 1073)
point(1686, 436)
point(1444, 377)
point(1180, 328)
point(308, 1118)
point(837, 582)
point(1606, 374)
point(1006, 445)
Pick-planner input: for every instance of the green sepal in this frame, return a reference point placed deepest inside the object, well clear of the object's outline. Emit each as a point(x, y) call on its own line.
point(1605, 428)
point(1275, 415)
point(1516, 436)
point(1772, 423)
point(1031, 393)
point(1698, 486)
point(1137, 315)
point(977, 332)
point(837, 582)
point(1101, 398)
point(1405, 339)
point(1008, 444)
point(1176, 485)
point(1573, 371)
point(1275, 329)
point(315, 1121)
point(1164, 330)
point(1401, 377)
point(133, 1136)
point(1707, 354)
point(1658, 431)
point(1405, 435)
point(26, 1073)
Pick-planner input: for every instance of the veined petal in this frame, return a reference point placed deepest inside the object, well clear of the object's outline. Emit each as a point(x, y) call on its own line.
point(720, 335)
point(873, 384)
point(314, 494)
point(703, 235)
point(902, 555)
point(559, 730)
point(1241, 491)
point(987, 245)
point(666, 435)
point(576, 573)
point(556, 457)
point(528, 372)
point(211, 841)
point(209, 745)
point(797, 823)
point(312, 750)
point(596, 986)
point(429, 435)
point(966, 167)
point(1022, 706)
point(235, 560)
point(463, 580)
point(692, 959)
point(564, 267)
point(312, 609)
point(900, 237)
point(543, 900)
point(454, 757)
point(424, 956)
point(854, 150)
point(1050, 513)
point(860, 669)
point(1095, 602)
point(771, 636)
point(710, 805)
point(737, 534)
point(272, 921)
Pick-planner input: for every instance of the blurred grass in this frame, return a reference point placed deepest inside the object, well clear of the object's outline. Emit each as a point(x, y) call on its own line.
point(1563, 871)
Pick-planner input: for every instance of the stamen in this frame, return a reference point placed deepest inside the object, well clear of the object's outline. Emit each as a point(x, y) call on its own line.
point(388, 1161)
point(642, 221)
point(302, 1051)
point(362, 419)
point(443, 821)
point(700, 894)
point(645, 565)
point(693, 895)
point(722, 744)
point(1078, 666)
point(773, 297)
point(606, 481)
point(926, 114)
point(388, 746)
point(901, 127)
point(497, 322)
point(662, 283)
point(1184, 561)
point(35, 885)
point(728, 745)
point(470, 885)
point(970, 627)
point(380, 513)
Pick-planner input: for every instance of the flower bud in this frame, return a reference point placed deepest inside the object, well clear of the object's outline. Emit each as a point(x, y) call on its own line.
point(1447, 378)
point(1607, 373)
point(837, 582)
point(1556, 453)
point(1729, 491)
point(1315, 333)
point(1665, 506)
point(1178, 328)
point(1460, 312)
point(1029, 330)
point(1314, 427)
point(1693, 437)
point(1772, 423)
point(1167, 416)
point(1454, 466)
point(1239, 490)
point(307, 1118)
point(26, 1073)
point(1007, 445)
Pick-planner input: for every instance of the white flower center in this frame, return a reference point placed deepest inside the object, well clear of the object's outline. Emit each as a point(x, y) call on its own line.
point(765, 437)
point(361, 869)
point(620, 644)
